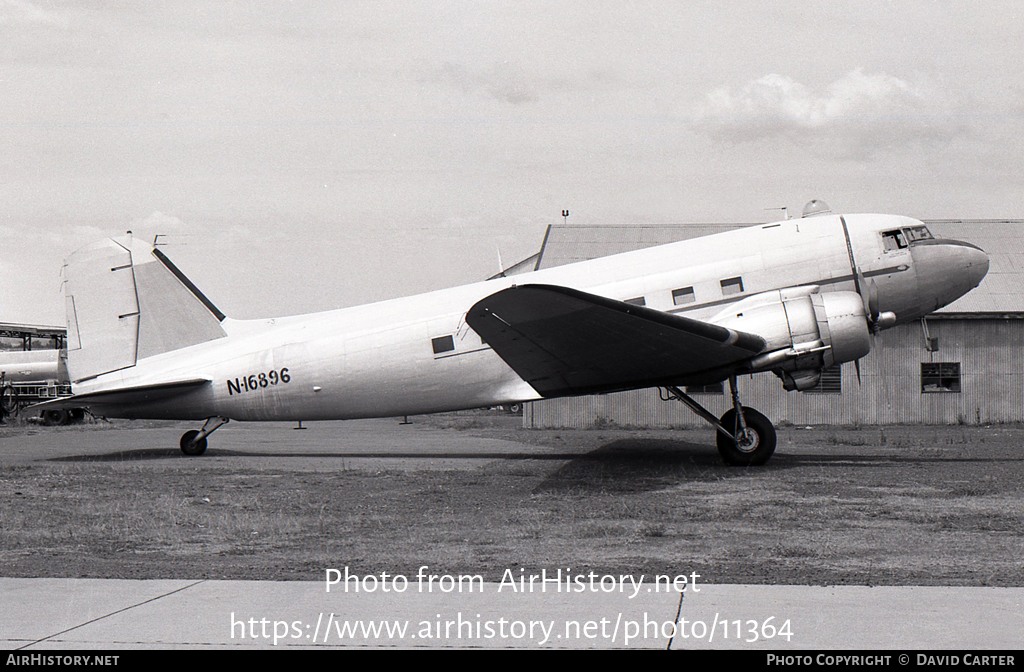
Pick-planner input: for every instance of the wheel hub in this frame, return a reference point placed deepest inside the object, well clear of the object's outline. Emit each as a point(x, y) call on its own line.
point(748, 440)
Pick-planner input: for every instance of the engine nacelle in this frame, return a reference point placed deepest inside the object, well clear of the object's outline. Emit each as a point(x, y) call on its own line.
point(804, 330)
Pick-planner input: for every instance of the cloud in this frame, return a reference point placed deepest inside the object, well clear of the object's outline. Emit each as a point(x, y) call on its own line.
point(501, 82)
point(158, 221)
point(858, 114)
point(172, 231)
point(21, 13)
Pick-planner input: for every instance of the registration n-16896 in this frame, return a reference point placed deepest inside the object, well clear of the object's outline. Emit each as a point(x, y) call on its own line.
point(258, 381)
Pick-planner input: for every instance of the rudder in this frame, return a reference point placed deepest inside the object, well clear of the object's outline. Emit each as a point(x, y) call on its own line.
point(125, 302)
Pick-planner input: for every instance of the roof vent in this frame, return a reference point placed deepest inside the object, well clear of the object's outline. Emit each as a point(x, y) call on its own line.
point(815, 207)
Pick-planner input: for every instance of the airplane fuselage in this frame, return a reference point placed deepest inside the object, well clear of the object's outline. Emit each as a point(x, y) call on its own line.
point(417, 354)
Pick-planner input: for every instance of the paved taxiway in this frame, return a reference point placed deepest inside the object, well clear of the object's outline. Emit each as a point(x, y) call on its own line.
point(108, 614)
point(378, 443)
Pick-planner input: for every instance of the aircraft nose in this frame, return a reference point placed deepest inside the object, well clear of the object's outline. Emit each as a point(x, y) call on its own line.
point(977, 265)
point(969, 262)
point(948, 269)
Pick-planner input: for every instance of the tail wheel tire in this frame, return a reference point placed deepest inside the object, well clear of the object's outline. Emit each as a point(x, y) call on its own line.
point(190, 446)
point(753, 446)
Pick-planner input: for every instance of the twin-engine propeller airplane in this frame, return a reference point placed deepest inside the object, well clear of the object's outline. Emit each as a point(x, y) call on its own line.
point(791, 297)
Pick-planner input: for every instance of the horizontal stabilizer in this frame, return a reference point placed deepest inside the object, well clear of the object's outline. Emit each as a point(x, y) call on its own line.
point(566, 342)
point(140, 394)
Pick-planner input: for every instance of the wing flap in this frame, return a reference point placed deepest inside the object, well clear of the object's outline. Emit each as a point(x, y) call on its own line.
point(565, 342)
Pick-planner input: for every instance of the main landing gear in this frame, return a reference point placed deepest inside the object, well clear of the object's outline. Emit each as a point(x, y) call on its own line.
point(193, 442)
point(745, 437)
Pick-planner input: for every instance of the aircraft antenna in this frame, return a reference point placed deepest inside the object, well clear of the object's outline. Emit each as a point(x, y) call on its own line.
point(565, 217)
point(785, 211)
point(501, 265)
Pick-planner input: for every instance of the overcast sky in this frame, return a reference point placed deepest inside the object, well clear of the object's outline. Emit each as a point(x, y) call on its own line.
point(311, 155)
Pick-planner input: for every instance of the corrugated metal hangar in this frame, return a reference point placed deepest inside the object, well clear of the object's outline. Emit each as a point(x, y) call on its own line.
point(964, 364)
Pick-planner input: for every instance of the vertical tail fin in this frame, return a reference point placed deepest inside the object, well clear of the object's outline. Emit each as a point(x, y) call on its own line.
point(125, 302)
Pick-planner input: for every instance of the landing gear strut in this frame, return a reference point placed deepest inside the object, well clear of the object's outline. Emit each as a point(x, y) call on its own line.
point(745, 437)
point(193, 442)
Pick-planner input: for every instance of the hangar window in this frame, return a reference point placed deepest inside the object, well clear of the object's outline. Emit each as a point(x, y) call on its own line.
point(638, 301)
point(831, 381)
point(683, 296)
point(443, 344)
point(893, 240)
point(11, 343)
point(732, 286)
point(940, 377)
point(713, 388)
point(44, 343)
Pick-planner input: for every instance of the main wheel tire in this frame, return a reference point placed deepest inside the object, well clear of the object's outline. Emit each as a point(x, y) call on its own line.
point(53, 418)
point(190, 446)
point(755, 446)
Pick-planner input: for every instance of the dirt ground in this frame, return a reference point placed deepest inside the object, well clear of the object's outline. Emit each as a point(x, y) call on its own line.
point(474, 493)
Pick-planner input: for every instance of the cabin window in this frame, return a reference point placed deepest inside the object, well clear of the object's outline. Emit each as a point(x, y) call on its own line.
point(940, 377)
point(713, 388)
point(830, 382)
point(732, 286)
point(443, 344)
point(893, 240)
point(683, 296)
point(638, 301)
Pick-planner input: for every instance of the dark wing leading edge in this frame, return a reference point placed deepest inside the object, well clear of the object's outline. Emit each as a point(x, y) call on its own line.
point(565, 342)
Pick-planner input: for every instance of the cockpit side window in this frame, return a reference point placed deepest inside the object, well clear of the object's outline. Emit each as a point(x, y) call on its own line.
point(893, 240)
point(915, 233)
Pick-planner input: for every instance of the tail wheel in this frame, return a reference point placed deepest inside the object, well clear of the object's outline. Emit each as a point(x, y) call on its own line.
point(190, 446)
point(754, 445)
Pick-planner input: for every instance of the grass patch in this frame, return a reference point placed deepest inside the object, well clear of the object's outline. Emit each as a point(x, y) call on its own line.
point(929, 515)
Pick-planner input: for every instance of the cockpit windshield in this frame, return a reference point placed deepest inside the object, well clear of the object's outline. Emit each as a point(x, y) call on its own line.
point(902, 238)
point(918, 233)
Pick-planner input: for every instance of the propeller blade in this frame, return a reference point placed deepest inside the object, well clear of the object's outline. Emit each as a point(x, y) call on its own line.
point(868, 291)
point(873, 301)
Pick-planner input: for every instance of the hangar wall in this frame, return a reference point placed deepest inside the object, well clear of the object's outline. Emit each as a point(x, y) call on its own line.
point(989, 354)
